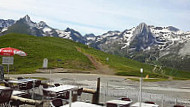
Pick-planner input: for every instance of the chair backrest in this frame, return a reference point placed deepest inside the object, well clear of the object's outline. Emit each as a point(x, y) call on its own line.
point(57, 102)
point(111, 105)
point(20, 78)
point(29, 85)
point(37, 83)
point(5, 95)
point(45, 93)
point(6, 84)
point(149, 102)
point(45, 86)
point(57, 84)
point(65, 95)
point(23, 86)
point(79, 91)
point(125, 99)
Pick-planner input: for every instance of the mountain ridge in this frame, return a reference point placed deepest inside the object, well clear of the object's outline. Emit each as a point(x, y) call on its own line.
point(145, 43)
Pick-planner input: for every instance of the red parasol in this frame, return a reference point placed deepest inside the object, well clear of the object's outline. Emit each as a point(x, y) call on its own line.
point(11, 51)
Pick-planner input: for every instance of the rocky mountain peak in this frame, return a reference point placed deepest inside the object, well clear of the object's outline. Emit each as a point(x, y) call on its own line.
point(26, 18)
point(142, 37)
point(89, 35)
point(171, 28)
point(141, 28)
point(42, 24)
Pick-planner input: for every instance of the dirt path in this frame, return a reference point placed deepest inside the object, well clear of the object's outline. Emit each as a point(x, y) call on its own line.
point(100, 68)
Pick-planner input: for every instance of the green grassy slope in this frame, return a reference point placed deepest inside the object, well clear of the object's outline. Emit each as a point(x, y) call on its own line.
point(39, 48)
point(65, 50)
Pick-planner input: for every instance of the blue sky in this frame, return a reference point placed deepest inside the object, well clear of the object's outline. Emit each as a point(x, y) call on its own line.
point(100, 16)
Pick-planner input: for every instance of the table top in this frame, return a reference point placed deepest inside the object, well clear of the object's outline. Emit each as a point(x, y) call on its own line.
point(15, 92)
point(3, 87)
point(120, 102)
point(16, 81)
point(28, 79)
point(144, 105)
point(21, 80)
point(61, 88)
point(81, 104)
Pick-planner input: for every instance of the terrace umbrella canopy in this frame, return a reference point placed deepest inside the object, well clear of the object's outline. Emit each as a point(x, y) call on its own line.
point(11, 51)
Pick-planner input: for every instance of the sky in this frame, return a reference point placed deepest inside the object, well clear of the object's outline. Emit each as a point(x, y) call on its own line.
point(100, 16)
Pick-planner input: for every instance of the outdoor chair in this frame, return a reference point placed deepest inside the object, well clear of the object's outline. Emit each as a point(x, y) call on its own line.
point(23, 86)
point(149, 102)
point(111, 105)
point(48, 94)
point(56, 102)
point(29, 85)
point(37, 83)
point(26, 86)
point(45, 86)
point(57, 84)
point(125, 99)
point(79, 91)
point(10, 85)
point(19, 78)
point(5, 96)
point(64, 95)
point(6, 84)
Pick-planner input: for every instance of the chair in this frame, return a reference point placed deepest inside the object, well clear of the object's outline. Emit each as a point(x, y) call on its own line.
point(149, 102)
point(29, 85)
point(111, 105)
point(45, 86)
point(19, 78)
point(64, 95)
point(23, 86)
point(5, 96)
point(37, 83)
point(6, 84)
point(125, 99)
point(57, 84)
point(56, 102)
point(48, 94)
point(79, 91)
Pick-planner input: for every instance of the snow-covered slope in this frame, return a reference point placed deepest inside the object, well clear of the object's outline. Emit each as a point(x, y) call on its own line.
point(4, 24)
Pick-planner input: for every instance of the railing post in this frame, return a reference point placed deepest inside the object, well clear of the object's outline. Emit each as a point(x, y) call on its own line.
point(95, 99)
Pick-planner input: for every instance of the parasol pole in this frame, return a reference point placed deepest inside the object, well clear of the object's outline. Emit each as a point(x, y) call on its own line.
point(8, 70)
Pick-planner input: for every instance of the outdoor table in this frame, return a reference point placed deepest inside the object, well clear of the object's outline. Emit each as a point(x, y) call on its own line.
point(144, 105)
point(3, 87)
point(17, 93)
point(28, 79)
point(81, 104)
point(16, 81)
point(119, 103)
point(61, 88)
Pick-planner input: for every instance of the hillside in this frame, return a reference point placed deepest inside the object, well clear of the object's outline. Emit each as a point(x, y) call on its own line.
point(64, 53)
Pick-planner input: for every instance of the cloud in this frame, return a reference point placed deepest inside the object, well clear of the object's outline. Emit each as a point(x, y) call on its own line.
point(99, 15)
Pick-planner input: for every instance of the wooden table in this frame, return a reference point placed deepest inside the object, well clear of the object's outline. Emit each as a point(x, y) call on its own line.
point(119, 103)
point(61, 88)
point(144, 105)
point(81, 104)
point(3, 87)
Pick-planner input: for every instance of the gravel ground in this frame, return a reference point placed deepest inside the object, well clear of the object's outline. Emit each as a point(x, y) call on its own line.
point(165, 93)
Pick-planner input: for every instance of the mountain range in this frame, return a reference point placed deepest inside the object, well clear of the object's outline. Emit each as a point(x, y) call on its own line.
point(165, 46)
